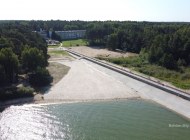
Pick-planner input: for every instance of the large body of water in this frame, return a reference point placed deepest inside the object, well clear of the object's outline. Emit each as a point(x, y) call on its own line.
point(110, 120)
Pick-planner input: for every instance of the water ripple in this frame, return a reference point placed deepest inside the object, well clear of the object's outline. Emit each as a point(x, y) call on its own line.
point(28, 122)
point(128, 119)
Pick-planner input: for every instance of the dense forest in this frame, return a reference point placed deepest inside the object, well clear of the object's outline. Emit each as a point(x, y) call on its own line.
point(22, 52)
point(160, 43)
point(164, 44)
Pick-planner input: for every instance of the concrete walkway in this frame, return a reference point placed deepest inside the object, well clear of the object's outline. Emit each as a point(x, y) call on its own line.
point(146, 91)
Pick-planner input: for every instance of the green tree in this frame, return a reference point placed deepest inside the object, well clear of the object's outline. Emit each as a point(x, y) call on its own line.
point(4, 43)
point(9, 64)
point(168, 61)
point(112, 42)
point(32, 58)
point(41, 77)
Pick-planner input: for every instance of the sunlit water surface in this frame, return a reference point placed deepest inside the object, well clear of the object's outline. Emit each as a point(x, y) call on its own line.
point(111, 120)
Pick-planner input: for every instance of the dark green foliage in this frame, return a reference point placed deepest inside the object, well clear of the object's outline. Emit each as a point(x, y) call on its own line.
point(162, 42)
point(5, 43)
point(57, 25)
point(3, 79)
point(41, 77)
point(17, 36)
point(97, 33)
point(168, 62)
point(19, 48)
point(159, 40)
point(32, 58)
point(12, 92)
point(170, 51)
point(112, 42)
point(8, 93)
point(9, 65)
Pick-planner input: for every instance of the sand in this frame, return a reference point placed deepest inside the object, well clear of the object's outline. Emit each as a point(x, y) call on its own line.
point(97, 51)
point(83, 82)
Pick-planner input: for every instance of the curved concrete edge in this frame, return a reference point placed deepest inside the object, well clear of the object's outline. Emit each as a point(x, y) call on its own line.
point(136, 77)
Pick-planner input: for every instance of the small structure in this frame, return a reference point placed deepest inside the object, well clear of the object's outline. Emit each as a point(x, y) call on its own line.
point(52, 42)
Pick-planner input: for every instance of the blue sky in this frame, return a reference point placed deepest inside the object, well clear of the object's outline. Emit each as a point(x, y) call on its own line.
point(135, 10)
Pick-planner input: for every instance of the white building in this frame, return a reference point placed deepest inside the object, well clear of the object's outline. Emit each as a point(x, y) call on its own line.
point(72, 34)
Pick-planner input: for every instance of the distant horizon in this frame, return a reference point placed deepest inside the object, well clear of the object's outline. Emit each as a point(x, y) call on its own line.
point(94, 20)
point(99, 10)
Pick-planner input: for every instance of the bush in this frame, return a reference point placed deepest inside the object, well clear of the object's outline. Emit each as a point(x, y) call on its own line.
point(10, 93)
point(25, 91)
point(41, 77)
point(185, 76)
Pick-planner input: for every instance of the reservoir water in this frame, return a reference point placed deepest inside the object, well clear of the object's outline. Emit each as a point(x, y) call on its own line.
point(106, 120)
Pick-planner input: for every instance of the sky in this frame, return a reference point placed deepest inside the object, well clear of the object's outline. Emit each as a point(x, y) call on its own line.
point(88, 10)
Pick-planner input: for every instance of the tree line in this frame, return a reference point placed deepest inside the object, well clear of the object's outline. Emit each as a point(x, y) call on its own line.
point(21, 52)
point(162, 43)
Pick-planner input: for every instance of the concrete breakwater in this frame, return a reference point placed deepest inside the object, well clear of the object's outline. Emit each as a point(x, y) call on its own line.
point(169, 97)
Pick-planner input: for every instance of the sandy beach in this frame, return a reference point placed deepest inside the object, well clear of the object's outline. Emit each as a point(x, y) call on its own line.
point(83, 82)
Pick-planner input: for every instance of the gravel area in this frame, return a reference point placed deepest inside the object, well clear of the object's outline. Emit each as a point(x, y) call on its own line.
point(83, 82)
point(97, 51)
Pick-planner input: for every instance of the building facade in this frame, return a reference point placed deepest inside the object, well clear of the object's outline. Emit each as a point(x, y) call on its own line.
point(72, 34)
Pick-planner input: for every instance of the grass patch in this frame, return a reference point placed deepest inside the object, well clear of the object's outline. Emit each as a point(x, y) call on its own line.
point(53, 46)
point(58, 52)
point(180, 79)
point(72, 43)
point(57, 71)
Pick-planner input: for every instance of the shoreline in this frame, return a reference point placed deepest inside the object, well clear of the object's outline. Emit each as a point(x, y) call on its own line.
point(30, 101)
point(59, 95)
